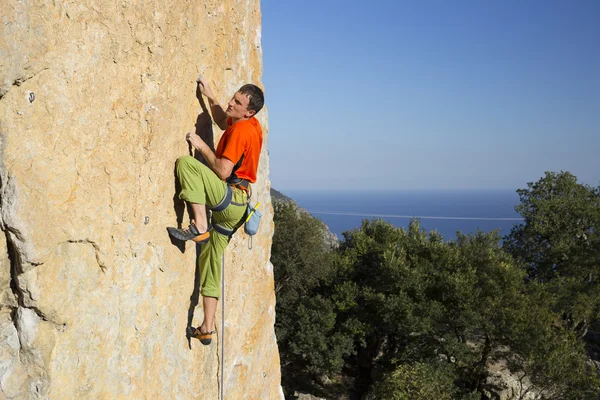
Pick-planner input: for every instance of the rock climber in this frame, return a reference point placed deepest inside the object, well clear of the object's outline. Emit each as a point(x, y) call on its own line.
point(223, 186)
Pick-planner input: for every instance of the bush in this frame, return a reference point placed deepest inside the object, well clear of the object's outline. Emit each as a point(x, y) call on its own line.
point(418, 381)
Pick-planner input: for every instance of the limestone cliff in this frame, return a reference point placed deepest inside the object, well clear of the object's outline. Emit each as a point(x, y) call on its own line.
point(95, 100)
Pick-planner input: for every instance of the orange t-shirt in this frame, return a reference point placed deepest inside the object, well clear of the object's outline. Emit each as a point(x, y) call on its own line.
point(242, 138)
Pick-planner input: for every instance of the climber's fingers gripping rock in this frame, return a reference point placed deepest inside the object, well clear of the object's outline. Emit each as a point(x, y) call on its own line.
point(195, 140)
point(204, 86)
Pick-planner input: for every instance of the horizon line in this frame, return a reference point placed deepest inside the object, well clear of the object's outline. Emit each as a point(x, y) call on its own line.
point(387, 189)
point(351, 214)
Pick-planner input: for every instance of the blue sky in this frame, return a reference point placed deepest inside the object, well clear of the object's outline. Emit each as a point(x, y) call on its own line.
point(431, 94)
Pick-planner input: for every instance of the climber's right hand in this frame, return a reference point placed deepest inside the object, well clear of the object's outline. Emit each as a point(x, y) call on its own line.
point(203, 86)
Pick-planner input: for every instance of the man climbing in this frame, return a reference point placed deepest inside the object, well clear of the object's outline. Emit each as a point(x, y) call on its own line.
point(223, 186)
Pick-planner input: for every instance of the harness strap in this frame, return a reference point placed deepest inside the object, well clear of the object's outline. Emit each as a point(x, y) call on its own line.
point(239, 183)
point(222, 230)
point(225, 202)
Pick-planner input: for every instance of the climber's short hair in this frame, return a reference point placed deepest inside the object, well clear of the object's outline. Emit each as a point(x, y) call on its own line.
point(255, 96)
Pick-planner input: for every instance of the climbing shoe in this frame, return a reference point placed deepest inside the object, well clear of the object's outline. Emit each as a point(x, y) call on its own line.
point(204, 337)
point(191, 233)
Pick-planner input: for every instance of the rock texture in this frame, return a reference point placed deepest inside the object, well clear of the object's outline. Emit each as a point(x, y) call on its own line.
point(502, 384)
point(95, 100)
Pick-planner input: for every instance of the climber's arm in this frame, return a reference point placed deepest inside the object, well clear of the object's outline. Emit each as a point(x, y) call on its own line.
point(218, 114)
point(220, 166)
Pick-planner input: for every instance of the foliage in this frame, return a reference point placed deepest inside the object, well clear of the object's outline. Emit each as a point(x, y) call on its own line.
point(559, 244)
point(299, 257)
point(316, 342)
point(306, 327)
point(558, 367)
point(419, 381)
point(411, 316)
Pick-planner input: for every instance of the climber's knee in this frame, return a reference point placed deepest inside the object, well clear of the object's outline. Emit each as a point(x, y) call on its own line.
point(184, 162)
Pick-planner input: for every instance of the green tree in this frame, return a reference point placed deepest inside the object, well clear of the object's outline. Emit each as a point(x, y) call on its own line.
point(556, 364)
point(464, 302)
point(299, 256)
point(559, 244)
point(419, 381)
point(311, 341)
point(390, 305)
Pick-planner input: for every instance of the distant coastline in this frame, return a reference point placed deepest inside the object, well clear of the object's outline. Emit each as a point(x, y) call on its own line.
point(331, 239)
point(446, 211)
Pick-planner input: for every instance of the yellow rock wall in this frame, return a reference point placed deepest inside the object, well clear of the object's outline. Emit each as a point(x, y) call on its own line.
point(95, 100)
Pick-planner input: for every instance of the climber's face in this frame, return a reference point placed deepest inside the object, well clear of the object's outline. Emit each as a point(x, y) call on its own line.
point(237, 108)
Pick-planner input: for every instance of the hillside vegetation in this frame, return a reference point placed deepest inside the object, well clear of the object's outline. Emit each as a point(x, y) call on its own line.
point(402, 314)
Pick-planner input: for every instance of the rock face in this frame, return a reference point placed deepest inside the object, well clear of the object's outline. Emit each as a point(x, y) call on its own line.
point(95, 101)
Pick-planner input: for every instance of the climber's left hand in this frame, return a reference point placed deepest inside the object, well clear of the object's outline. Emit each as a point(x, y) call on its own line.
point(195, 141)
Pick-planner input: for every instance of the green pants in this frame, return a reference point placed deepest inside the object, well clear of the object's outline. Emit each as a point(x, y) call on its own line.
point(199, 184)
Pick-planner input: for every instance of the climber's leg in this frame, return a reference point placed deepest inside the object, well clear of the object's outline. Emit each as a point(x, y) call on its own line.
point(209, 263)
point(200, 219)
point(211, 256)
point(210, 308)
point(199, 186)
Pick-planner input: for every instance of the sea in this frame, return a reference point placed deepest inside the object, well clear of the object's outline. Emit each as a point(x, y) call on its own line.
point(447, 211)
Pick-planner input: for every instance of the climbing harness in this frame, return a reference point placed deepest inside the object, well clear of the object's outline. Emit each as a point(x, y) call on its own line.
point(252, 216)
point(241, 184)
point(223, 204)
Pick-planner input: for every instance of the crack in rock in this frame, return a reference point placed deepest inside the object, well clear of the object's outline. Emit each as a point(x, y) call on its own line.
point(25, 319)
point(19, 81)
point(101, 263)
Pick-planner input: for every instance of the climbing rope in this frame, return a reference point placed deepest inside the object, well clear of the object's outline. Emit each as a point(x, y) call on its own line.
point(222, 324)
